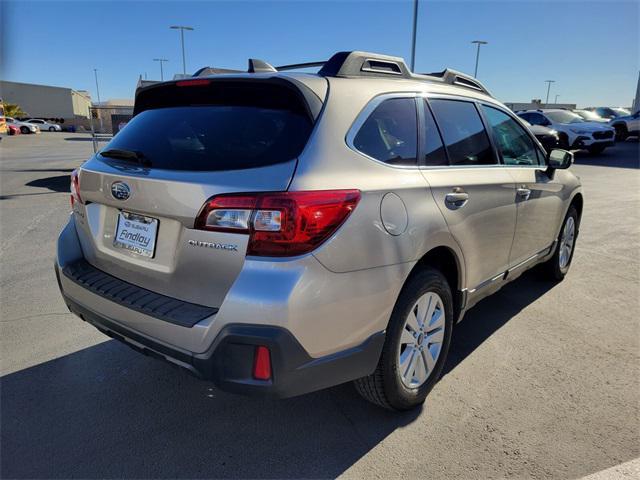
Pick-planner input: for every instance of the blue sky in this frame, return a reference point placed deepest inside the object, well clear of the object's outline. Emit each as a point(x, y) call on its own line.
point(591, 48)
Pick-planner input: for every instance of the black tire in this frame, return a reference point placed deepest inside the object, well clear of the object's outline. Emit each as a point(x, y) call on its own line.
point(384, 386)
point(52, 129)
point(551, 267)
point(563, 141)
point(596, 150)
point(621, 132)
point(24, 130)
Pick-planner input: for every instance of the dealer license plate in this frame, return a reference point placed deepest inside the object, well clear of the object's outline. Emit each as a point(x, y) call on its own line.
point(136, 233)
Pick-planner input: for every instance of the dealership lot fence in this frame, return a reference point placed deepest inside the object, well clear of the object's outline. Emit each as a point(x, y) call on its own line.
point(106, 121)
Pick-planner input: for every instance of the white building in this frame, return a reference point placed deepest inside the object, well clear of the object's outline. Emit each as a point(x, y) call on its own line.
point(536, 104)
point(44, 101)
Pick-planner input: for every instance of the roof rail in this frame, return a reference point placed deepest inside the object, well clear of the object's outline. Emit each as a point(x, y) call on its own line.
point(453, 77)
point(297, 66)
point(361, 64)
point(364, 64)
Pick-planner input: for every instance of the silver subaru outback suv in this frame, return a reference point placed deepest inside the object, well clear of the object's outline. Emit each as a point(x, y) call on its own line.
point(279, 232)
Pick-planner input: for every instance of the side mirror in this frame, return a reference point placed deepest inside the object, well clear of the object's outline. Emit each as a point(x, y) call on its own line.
point(559, 159)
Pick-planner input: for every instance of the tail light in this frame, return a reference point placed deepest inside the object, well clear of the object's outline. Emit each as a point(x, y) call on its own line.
point(75, 187)
point(279, 224)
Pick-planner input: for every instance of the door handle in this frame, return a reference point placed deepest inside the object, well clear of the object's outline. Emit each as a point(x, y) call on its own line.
point(457, 198)
point(523, 192)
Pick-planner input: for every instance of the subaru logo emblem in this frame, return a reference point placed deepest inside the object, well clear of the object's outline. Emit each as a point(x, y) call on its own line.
point(120, 190)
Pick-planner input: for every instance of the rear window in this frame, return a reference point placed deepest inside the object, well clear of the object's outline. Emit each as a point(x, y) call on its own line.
point(213, 128)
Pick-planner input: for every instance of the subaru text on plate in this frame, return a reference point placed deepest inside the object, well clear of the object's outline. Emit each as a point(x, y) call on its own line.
point(279, 232)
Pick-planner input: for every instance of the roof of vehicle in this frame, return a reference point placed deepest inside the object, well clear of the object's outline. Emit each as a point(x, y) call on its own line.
point(389, 73)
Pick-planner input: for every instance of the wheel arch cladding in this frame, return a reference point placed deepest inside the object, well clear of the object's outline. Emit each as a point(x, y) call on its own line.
point(445, 260)
point(578, 202)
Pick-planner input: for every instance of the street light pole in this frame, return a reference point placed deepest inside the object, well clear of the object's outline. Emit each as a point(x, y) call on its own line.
point(556, 100)
point(548, 82)
point(95, 72)
point(413, 38)
point(478, 42)
point(182, 28)
point(161, 60)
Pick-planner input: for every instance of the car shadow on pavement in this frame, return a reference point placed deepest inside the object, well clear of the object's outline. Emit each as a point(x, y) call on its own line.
point(107, 412)
point(491, 314)
point(623, 155)
point(78, 139)
point(60, 183)
point(57, 184)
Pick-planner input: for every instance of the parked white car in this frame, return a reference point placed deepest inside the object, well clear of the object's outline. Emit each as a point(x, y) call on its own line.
point(574, 132)
point(23, 126)
point(627, 126)
point(44, 125)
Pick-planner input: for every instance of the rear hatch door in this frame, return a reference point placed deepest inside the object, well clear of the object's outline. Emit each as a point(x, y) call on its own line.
point(187, 142)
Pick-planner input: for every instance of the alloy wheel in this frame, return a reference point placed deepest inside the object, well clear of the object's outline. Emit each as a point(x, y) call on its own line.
point(566, 242)
point(421, 340)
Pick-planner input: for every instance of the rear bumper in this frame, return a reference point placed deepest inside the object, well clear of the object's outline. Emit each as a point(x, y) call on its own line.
point(229, 360)
point(322, 328)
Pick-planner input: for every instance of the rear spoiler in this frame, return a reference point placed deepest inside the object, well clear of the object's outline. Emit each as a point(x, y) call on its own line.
point(164, 93)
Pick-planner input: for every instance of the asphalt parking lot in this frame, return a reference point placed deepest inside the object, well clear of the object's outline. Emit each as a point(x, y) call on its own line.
point(543, 379)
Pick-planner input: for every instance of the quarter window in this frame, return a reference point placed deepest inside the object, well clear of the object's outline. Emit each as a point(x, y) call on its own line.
point(463, 132)
point(390, 133)
point(514, 144)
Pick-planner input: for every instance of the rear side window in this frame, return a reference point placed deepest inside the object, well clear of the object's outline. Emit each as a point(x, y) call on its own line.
point(514, 144)
point(390, 133)
point(463, 132)
point(432, 146)
point(536, 119)
point(216, 127)
point(525, 116)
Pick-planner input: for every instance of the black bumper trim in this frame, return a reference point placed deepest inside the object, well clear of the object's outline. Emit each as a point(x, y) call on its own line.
point(229, 361)
point(579, 143)
point(136, 298)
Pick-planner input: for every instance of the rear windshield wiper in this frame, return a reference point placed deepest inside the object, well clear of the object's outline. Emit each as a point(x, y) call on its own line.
point(131, 155)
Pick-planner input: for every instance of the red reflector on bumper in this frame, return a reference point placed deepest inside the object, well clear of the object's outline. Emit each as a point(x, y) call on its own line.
point(262, 364)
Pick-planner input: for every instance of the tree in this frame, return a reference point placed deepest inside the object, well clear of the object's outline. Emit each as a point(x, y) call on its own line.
point(14, 110)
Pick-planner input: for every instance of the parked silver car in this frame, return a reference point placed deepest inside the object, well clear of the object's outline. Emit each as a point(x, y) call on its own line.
point(23, 126)
point(281, 232)
point(44, 126)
